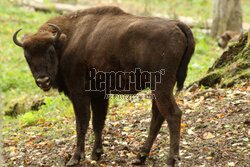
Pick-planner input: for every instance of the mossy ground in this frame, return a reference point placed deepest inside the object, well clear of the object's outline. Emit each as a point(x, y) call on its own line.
point(232, 67)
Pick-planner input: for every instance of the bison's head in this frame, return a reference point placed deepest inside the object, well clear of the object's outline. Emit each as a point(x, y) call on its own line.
point(40, 53)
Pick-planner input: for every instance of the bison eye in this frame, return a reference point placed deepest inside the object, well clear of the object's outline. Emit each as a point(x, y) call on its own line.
point(51, 54)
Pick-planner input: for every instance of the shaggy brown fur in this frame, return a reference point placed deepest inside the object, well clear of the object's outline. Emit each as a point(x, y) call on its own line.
point(228, 37)
point(109, 39)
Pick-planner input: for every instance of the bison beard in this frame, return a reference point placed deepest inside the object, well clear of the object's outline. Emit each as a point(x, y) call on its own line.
point(67, 47)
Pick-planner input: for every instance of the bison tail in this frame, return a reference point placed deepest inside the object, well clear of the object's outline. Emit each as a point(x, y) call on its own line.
point(183, 67)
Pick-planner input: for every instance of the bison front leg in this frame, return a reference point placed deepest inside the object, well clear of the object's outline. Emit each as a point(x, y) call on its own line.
point(81, 104)
point(99, 111)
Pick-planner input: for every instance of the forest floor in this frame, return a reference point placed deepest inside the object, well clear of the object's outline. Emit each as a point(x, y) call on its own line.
point(215, 122)
point(214, 132)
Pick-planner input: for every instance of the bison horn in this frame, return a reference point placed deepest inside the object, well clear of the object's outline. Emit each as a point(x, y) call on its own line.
point(58, 31)
point(18, 43)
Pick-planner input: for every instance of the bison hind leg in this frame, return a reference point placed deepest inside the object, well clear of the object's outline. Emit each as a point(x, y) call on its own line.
point(168, 108)
point(155, 126)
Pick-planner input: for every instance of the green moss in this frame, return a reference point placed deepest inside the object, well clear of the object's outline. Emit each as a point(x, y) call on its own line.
point(211, 78)
point(230, 81)
point(232, 67)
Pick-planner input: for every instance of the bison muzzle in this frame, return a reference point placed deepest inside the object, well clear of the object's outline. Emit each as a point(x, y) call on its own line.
point(66, 48)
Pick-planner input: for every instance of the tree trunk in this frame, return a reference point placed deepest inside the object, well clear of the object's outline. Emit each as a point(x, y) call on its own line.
point(227, 16)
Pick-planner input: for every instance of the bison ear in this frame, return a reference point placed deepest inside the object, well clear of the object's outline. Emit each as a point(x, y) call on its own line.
point(62, 40)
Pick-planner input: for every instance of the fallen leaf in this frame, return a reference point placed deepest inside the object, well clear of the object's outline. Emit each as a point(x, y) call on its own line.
point(220, 115)
point(190, 132)
point(208, 135)
point(183, 125)
point(231, 164)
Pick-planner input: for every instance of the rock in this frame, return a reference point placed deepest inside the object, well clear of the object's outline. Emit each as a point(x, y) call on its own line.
point(36, 104)
point(22, 104)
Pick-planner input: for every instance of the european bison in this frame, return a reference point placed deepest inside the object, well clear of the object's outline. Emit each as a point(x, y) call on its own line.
point(67, 48)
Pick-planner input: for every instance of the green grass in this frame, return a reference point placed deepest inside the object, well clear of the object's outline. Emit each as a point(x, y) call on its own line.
point(16, 79)
point(54, 111)
point(206, 52)
point(15, 75)
point(203, 9)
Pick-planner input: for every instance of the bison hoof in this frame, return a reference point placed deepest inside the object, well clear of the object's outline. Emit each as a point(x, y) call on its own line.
point(96, 154)
point(173, 161)
point(74, 160)
point(140, 159)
